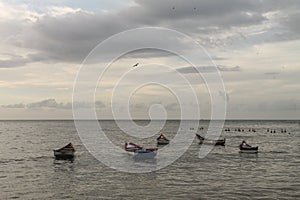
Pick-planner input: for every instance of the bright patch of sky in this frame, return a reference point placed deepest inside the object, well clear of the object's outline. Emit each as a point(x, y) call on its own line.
point(91, 5)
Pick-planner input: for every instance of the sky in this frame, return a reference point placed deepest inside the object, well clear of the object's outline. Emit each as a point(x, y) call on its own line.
point(253, 45)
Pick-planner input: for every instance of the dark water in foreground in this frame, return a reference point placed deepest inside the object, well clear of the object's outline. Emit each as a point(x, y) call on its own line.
point(28, 170)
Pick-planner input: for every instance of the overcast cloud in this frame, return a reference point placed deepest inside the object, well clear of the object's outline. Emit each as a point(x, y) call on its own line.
point(53, 104)
point(208, 69)
point(254, 44)
point(70, 34)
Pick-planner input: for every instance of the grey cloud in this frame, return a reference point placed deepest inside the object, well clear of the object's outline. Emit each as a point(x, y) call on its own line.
point(207, 69)
point(203, 13)
point(145, 53)
point(193, 70)
point(16, 61)
point(53, 104)
point(229, 69)
point(19, 61)
point(48, 103)
point(20, 105)
point(292, 22)
point(70, 37)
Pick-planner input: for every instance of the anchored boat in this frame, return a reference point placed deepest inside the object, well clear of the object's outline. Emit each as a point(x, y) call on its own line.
point(139, 151)
point(162, 140)
point(246, 148)
point(210, 141)
point(66, 152)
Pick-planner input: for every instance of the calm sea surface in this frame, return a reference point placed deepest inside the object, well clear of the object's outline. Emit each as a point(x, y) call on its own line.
point(28, 169)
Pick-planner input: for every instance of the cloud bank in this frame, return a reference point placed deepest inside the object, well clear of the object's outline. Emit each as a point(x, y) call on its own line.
point(207, 69)
point(53, 104)
point(69, 34)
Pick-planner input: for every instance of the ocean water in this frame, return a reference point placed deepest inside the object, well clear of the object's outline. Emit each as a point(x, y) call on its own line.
point(28, 169)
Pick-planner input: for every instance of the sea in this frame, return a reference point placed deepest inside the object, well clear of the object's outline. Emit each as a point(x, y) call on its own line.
point(28, 169)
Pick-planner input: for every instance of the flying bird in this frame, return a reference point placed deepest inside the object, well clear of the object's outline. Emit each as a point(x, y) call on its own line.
point(135, 65)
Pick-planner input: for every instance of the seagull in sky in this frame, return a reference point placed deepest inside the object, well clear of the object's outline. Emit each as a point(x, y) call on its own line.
point(135, 65)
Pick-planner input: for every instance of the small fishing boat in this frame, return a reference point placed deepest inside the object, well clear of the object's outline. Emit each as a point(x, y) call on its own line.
point(139, 151)
point(203, 140)
point(145, 154)
point(246, 148)
point(66, 152)
point(162, 140)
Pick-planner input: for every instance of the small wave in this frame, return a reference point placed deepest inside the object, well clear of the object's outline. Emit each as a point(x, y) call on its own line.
point(278, 152)
point(14, 197)
point(36, 158)
point(15, 160)
point(241, 136)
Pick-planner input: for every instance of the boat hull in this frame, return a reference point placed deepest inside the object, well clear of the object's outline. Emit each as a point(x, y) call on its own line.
point(140, 152)
point(213, 142)
point(249, 150)
point(145, 155)
point(203, 140)
point(163, 142)
point(63, 154)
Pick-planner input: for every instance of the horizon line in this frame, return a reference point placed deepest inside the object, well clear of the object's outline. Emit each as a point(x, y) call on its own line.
point(148, 119)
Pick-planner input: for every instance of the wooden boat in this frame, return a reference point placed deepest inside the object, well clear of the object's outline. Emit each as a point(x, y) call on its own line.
point(203, 140)
point(66, 152)
point(139, 151)
point(162, 140)
point(145, 154)
point(246, 148)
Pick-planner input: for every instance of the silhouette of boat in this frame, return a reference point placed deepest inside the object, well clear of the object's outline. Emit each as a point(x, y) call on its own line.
point(203, 140)
point(139, 151)
point(66, 152)
point(246, 148)
point(162, 140)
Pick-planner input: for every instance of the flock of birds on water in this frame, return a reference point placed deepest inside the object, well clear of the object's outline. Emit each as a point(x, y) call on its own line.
point(250, 130)
point(254, 130)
